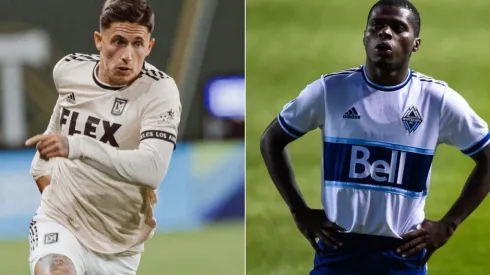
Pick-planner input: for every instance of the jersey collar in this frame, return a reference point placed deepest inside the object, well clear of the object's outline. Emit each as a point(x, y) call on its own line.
point(386, 88)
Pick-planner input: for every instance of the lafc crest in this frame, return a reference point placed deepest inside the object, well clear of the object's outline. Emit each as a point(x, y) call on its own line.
point(118, 107)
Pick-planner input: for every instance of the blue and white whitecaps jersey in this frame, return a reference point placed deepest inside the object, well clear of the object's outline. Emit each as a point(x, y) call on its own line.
point(378, 144)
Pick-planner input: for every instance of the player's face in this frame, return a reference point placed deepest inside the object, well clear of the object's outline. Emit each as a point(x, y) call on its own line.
point(389, 37)
point(123, 48)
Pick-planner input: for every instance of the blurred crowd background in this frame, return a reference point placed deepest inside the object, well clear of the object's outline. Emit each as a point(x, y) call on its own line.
point(201, 45)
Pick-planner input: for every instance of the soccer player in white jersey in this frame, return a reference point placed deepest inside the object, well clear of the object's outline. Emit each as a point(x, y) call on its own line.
point(380, 124)
point(105, 152)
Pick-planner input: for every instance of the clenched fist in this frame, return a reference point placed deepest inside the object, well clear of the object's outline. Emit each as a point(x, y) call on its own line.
point(50, 146)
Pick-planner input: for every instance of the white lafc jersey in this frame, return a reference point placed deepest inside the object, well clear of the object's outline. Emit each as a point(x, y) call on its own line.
point(98, 194)
point(379, 143)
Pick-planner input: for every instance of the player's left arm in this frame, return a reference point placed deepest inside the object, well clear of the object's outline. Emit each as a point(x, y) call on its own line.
point(463, 128)
point(145, 166)
point(460, 127)
point(474, 191)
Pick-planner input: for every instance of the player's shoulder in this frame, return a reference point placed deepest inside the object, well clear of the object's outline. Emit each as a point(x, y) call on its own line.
point(76, 59)
point(159, 84)
point(428, 80)
point(439, 90)
point(430, 84)
point(342, 74)
point(73, 62)
point(153, 74)
point(339, 80)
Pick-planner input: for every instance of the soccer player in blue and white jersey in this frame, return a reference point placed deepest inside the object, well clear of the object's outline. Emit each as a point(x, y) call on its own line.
point(381, 124)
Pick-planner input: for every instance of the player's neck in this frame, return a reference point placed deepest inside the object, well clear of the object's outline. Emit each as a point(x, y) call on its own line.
point(101, 77)
point(386, 76)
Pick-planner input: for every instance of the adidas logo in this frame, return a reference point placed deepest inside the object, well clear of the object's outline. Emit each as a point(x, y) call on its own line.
point(352, 114)
point(71, 98)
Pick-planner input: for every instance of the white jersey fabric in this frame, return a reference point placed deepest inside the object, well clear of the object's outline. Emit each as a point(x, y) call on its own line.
point(120, 143)
point(379, 143)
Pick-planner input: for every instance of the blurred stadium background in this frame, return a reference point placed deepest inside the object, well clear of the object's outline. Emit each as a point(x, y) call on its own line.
point(201, 201)
point(290, 44)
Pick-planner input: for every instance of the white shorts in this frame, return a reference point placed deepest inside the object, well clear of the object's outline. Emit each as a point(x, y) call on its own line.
point(46, 236)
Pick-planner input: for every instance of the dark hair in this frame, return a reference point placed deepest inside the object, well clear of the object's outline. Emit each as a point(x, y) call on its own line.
point(132, 11)
point(414, 18)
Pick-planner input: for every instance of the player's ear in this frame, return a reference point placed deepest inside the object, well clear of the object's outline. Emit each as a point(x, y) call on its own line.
point(364, 38)
point(150, 46)
point(416, 45)
point(98, 41)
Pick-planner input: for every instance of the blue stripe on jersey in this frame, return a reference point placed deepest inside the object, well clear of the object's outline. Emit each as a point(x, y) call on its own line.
point(386, 88)
point(477, 147)
point(290, 130)
point(383, 144)
point(386, 189)
point(376, 167)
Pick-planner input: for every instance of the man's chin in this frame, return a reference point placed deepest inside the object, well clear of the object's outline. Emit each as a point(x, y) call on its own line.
point(122, 80)
point(383, 62)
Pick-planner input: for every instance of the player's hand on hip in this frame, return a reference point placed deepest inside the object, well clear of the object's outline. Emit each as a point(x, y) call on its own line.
point(50, 146)
point(313, 224)
point(431, 235)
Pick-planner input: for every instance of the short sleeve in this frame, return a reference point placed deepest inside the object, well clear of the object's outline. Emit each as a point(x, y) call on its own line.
point(57, 70)
point(306, 112)
point(161, 116)
point(460, 126)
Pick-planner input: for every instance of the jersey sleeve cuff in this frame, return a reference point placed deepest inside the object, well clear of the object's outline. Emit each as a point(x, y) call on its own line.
point(477, 147)
point(290, 130)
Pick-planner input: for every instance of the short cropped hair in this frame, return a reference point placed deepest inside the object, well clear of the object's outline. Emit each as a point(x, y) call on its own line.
point(414, 18)
point(132, 11)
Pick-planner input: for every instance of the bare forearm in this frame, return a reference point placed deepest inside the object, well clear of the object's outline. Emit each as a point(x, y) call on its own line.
point(281, 172)
point(474, 192)
point(43, 182)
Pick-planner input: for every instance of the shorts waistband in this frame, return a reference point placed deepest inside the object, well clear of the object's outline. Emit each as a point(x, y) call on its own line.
point(369, 241)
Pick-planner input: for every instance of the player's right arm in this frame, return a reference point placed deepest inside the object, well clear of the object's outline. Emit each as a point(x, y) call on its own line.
point(41, 169)
point(301, 115)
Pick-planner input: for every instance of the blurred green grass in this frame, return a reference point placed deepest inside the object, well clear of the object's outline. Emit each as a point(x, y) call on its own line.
point(290, 44)
point(216, 249)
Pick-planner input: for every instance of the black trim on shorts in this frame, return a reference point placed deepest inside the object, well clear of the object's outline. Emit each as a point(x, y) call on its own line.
point(33, 235)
